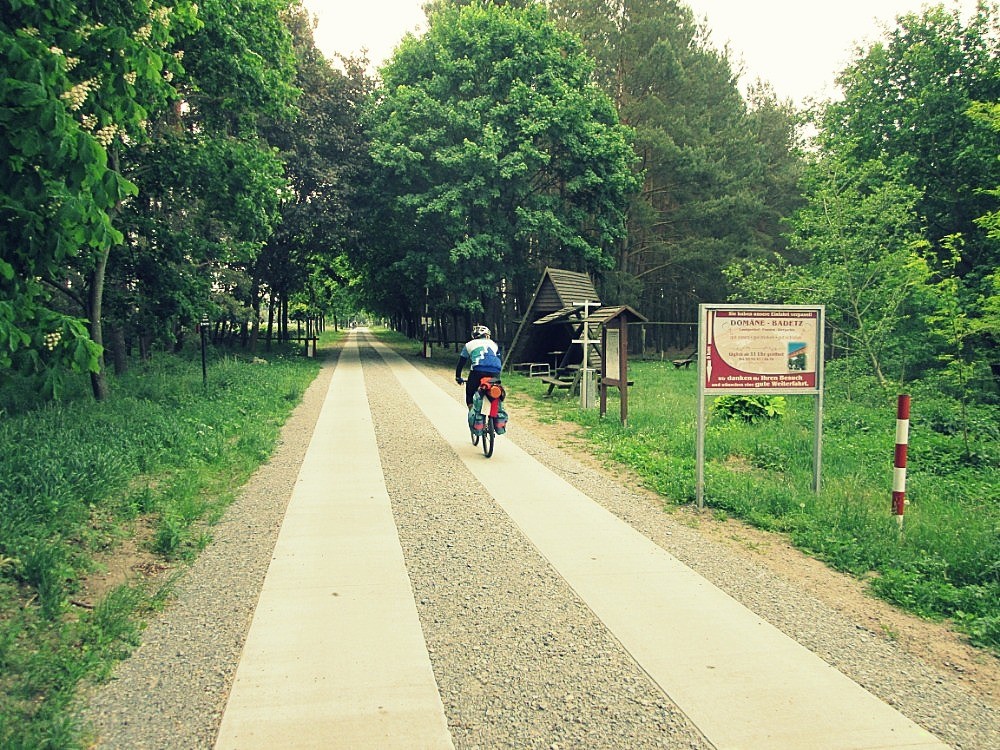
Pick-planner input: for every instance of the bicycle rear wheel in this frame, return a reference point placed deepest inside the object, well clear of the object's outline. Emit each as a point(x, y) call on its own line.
point(489, 434)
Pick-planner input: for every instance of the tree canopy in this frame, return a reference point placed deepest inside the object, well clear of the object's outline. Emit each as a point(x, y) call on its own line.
point(325, 153)
point(495, 154)
point(163, 162)
point(68, 107)
point(897, 235)
point(140, 187)
point(717, 176)
point(907, 101)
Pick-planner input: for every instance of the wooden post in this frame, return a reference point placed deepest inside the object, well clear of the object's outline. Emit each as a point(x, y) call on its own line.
point(623, 370)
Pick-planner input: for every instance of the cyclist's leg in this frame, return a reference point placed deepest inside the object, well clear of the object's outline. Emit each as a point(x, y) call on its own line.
point(472, 385)
point(470, 388)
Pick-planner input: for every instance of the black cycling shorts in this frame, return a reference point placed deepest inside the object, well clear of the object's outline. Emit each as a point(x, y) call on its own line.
point(472, 384)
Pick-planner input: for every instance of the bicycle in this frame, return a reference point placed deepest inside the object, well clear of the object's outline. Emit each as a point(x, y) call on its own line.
point(488, 419)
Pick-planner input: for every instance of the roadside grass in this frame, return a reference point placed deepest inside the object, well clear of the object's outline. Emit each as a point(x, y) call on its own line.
point(946, 561)
point(159, 461)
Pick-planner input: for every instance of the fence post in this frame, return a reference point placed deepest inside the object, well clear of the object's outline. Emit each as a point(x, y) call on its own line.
point(203, 329)
point(899, 465)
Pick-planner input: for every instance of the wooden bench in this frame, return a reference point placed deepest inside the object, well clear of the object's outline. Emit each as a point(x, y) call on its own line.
point(685, 363)
point(573, 383)
point(554, 383)
point(533, 369)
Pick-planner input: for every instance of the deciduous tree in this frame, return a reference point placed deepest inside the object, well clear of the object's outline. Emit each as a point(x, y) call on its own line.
point(79, 82)
point(496, 154)
point(865, 261)
point(210, 183)
point(906, 102)
point(324, 151)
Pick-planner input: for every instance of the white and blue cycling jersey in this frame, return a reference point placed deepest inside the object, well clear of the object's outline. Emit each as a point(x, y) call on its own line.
point(483, 356)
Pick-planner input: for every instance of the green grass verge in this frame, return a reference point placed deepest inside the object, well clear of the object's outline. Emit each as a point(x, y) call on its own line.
point(165, 452)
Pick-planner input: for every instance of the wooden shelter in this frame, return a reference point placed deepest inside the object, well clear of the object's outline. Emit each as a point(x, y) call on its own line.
point(553, 317)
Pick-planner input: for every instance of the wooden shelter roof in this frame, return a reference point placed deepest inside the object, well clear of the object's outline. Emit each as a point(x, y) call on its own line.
point(599, 316)
point(603, 314)
point(557, 290)
point(560, 314)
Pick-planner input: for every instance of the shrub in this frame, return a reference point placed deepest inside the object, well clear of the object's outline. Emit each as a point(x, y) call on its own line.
point(749, 409)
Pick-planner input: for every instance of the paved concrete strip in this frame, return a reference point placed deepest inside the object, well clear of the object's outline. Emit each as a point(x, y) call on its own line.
point(741, 681)
point(335, 657)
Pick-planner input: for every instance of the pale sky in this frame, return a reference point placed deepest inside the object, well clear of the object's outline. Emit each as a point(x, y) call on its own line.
point(798, 46)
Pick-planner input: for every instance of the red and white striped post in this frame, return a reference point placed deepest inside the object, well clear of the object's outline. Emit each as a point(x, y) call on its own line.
point(899, 465)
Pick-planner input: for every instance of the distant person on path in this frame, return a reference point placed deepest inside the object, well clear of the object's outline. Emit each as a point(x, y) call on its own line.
point(483, 354)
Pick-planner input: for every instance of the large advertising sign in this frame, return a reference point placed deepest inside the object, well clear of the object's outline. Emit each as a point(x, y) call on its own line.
point(759, 347)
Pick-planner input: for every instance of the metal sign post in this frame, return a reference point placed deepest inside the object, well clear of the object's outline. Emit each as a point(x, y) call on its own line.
point(586, 391)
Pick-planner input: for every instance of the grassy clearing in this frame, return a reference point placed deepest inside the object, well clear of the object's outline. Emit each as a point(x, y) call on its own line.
point(946, 563)
point(166, 454)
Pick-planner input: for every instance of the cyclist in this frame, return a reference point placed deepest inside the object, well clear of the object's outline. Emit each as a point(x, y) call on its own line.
point(483, 355)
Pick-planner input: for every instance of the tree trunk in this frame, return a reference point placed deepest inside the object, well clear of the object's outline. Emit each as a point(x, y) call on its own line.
point(270, 319)
point(98, 380)
point(95, 302)
point(119, 350)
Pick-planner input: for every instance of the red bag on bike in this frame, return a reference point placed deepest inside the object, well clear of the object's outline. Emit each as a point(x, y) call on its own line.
point(500, 421)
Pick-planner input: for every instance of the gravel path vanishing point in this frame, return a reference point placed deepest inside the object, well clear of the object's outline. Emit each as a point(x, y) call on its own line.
point(520, 661)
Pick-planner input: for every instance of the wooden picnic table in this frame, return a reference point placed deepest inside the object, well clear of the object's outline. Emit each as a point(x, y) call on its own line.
point(572, 384)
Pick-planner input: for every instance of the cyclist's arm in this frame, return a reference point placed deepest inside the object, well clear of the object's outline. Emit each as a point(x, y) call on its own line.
point(461, 365)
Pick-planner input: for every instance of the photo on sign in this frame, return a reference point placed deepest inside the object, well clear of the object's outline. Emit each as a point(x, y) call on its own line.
point(797, 356)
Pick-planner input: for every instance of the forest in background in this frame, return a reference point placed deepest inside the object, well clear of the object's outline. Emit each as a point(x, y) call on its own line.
point(165, 164)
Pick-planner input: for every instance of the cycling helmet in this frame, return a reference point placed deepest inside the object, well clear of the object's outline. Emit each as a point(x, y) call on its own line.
point(480, 332)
